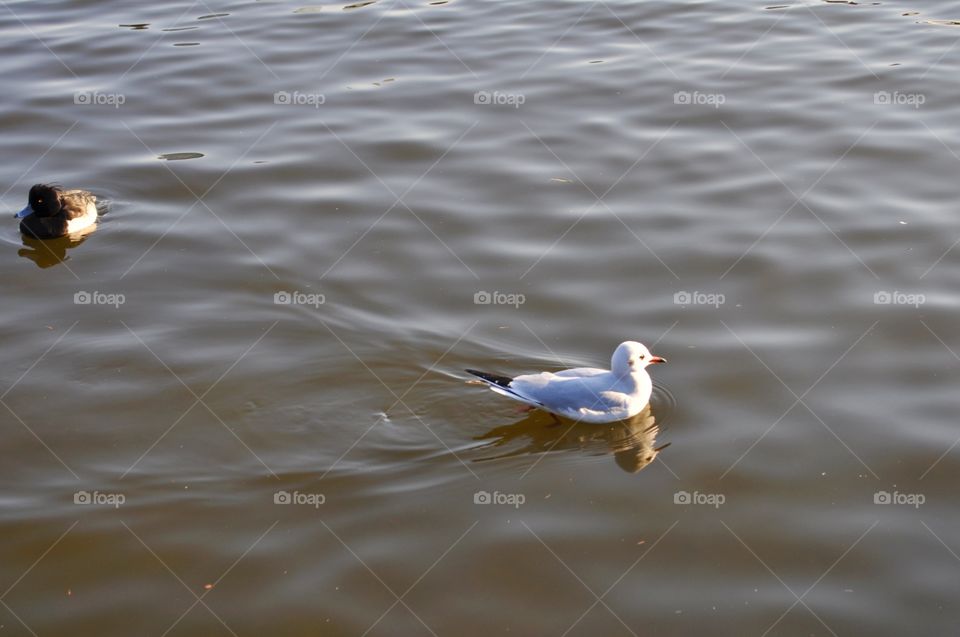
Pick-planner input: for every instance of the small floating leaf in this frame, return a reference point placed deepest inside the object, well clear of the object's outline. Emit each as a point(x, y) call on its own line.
point(357, 5)
point(178, 156)
point(136, 27)
point(213, 15)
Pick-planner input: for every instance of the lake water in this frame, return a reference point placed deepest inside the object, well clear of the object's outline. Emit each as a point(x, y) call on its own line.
point(238, 407)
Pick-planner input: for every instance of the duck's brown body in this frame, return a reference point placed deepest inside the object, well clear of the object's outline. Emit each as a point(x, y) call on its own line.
point(53, 212)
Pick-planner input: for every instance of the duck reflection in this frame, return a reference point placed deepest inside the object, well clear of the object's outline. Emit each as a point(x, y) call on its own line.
point(632, 442)
point(50, 252)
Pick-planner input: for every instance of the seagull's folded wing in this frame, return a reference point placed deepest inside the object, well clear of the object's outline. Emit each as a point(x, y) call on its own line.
point(567, 393)
point(582, 372)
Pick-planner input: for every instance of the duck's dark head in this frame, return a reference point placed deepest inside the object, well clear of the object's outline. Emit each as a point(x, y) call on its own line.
point(44, 200)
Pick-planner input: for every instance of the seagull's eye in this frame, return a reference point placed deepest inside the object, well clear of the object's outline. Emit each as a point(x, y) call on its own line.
point(642, 356)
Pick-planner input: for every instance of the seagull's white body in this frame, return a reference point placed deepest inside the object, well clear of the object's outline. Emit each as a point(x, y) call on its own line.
point(586, 394)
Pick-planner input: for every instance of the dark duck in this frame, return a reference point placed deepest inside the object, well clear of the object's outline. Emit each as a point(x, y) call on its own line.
point(52, 212)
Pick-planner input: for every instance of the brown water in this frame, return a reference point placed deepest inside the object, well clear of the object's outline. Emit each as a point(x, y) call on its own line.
point(739, 186)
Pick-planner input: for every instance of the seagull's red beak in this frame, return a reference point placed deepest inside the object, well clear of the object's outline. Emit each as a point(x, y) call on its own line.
point(657, 359)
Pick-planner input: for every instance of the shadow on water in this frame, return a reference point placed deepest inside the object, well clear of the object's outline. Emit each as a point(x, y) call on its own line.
point(47, 253)
point(632, 442)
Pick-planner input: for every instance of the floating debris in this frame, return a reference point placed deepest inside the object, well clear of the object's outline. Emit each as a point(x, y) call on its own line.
point(135, 27)
point(361, 87)
point(179, 156)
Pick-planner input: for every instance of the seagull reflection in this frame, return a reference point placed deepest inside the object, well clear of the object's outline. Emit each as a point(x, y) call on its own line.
point(632, 442)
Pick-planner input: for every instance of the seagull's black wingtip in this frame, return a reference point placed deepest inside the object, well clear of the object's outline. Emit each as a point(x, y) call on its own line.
point(501, 381)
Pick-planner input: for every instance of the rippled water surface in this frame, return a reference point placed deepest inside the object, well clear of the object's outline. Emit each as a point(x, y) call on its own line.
point(238, 407)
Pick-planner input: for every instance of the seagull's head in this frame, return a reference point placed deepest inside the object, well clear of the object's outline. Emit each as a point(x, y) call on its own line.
point(630, 357)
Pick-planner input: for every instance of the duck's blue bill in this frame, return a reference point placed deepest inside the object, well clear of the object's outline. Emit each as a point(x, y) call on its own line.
point(23, 213)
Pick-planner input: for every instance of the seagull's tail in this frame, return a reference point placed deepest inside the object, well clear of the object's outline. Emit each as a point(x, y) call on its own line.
point(493, 379)
point(501, 385)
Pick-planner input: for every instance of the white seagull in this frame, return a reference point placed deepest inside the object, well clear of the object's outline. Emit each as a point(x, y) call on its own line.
point(586, 394)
